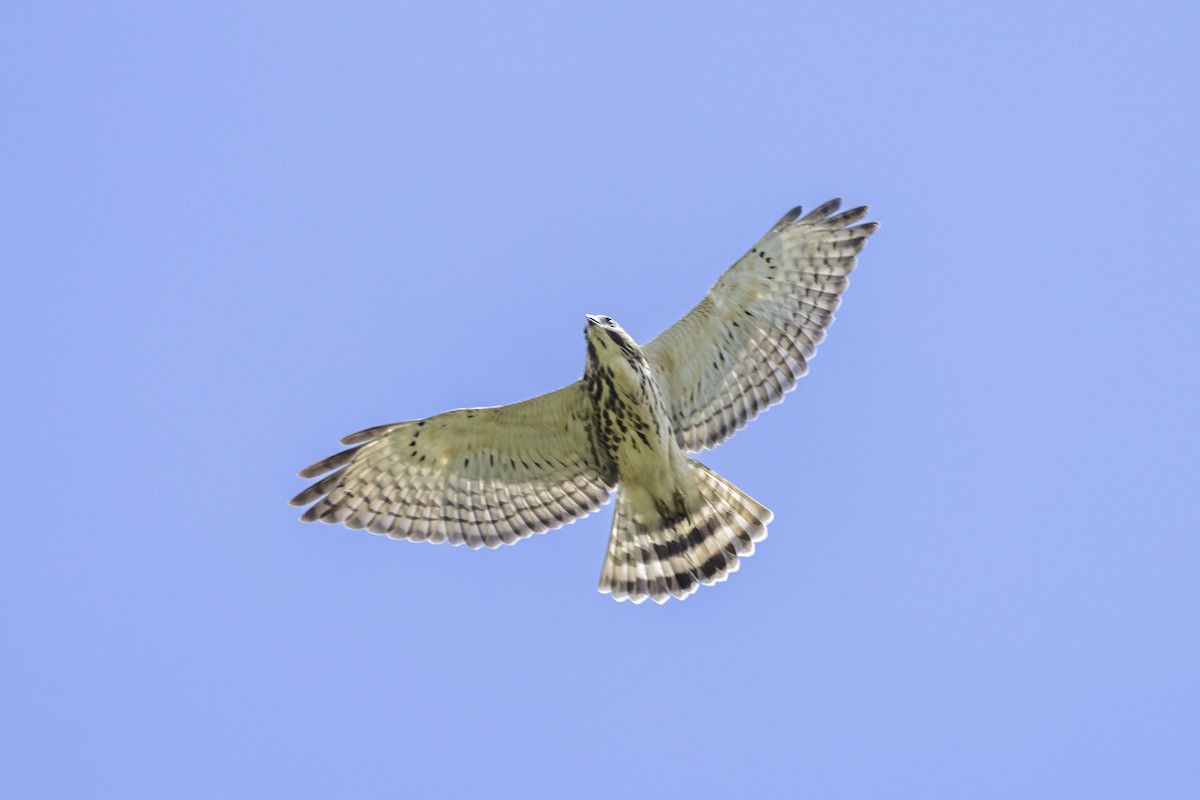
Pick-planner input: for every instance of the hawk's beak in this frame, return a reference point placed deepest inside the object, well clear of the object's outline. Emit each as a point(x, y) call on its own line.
point(593, 319)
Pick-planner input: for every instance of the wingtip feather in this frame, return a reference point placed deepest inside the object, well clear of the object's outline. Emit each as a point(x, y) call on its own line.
point(822, 211)
point(787, 219)
point(366, 435)
point(328, 464)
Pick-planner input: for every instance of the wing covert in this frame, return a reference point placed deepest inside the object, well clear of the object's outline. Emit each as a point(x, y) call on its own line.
point(744, 346)
point(478, 476)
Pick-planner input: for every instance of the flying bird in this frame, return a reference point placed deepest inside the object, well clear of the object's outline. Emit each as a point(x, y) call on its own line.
point(484, 477)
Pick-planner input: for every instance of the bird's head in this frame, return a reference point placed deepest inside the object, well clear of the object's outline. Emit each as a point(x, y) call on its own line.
point(600, 328)
point(606, 339)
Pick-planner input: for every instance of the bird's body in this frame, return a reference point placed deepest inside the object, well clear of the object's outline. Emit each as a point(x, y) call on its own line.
point(666, 540)
point(491, 476)
point(633, 423)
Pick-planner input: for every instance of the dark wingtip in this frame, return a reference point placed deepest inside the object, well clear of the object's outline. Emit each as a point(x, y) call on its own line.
point(788, 218)
point(327, 464)
point(317, 490)
point(824, 210)
point(847, 217)
point(367, 435)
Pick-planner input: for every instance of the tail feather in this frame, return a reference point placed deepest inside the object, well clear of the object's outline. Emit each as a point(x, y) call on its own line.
point(661, 550)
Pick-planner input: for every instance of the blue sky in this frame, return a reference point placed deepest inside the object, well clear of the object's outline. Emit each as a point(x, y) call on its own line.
point(233, 233)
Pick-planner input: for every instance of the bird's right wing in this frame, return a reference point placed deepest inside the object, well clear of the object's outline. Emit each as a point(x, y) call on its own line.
point(476, 476)
point(751, 337)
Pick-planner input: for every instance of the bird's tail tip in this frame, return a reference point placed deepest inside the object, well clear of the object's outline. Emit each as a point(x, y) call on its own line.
point(669, 549)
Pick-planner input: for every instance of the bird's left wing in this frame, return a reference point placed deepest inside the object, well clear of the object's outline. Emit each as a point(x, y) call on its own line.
point(477, 476)
point(751, 337)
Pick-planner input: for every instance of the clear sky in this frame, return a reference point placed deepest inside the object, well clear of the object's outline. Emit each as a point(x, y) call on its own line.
point(232, 233)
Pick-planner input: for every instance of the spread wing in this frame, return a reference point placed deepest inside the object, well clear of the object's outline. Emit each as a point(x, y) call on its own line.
point(478, 476)
point(751, 337)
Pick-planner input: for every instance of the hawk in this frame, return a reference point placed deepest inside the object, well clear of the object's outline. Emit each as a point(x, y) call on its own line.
point(484, 477)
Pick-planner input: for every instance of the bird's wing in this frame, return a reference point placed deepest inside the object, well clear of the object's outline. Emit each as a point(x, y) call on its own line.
point(751, 337)
point(478, 476)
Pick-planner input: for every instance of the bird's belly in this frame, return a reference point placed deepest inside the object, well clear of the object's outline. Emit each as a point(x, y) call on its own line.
point(638, 436)
point(650, 463)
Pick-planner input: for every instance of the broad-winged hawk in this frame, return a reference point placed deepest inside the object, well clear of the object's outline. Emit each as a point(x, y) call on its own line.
point(490, 476)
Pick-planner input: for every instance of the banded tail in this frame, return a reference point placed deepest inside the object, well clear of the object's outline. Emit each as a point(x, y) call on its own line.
point(658, 552)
